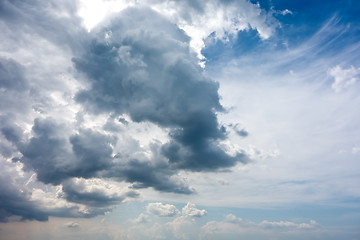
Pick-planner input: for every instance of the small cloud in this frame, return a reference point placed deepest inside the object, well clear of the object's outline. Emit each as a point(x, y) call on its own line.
point(231, 218)
point(287, 224)
point(355, 150)
point(162, 210)
point(286, 12)
point(191, 211)
point(343, 78)
point(72, 225)
point(143, 218)
point(238, 130)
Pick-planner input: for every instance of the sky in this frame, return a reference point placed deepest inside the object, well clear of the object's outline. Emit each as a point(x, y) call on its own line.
point(193, 119)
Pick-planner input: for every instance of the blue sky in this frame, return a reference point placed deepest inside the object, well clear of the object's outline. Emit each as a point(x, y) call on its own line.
point(179, 119)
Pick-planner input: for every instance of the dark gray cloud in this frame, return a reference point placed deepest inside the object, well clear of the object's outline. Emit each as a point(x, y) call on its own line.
point(15, 202)
point(55, 158)
point(238, 130)
point(144, 174)
point(47, 153)
point(93, 152)
point(138, 64)
point(76, 192)
point(14, 88)
point(12, 75)
point(144, 69)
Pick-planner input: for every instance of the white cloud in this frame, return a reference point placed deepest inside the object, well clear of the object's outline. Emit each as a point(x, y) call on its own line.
point(286, 11)
point(191, 211)
point(143, 218)
point(222, 20)
point(72, 225)
point(287, 224)
point(162, 210)
point(343, 78)
point(234, 226)
point(231, 218)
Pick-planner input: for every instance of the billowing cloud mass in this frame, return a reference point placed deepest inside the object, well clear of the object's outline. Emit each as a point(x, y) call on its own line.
point(136, 66)
point(151, 76)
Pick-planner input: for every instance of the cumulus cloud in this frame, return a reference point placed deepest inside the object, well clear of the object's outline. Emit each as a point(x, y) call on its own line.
point(72, 225)
point(231, 218)
point(30, 202)
point(95, 192)
point(343, 78)
point(16, 202)
point(190, 210)
point(55, 158)
point(138, 64)
point(129, 73)
point(162, 210)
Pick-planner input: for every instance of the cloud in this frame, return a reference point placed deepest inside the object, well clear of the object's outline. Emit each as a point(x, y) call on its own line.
point(286, 12)
point(231, 218)
point(288, 225)
point(15, 202)
point(12, 75)
point(145, 174)
point(221, 20)
point(343, 78)
point(190, 210)
point(162, 210)
point(234, 226)
point(238, 130)
point(57, 22)
point(20, 202)
point(55, 158)
point(199, 19)
point(138, 64)
point(95, 193)
point(129, 73)
point(72, 225)
point(143, 218)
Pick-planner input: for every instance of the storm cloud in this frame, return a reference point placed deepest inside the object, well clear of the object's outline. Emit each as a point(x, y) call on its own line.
point(144, 68)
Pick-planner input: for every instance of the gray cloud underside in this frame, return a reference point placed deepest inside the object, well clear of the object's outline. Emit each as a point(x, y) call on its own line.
point(16, 202)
